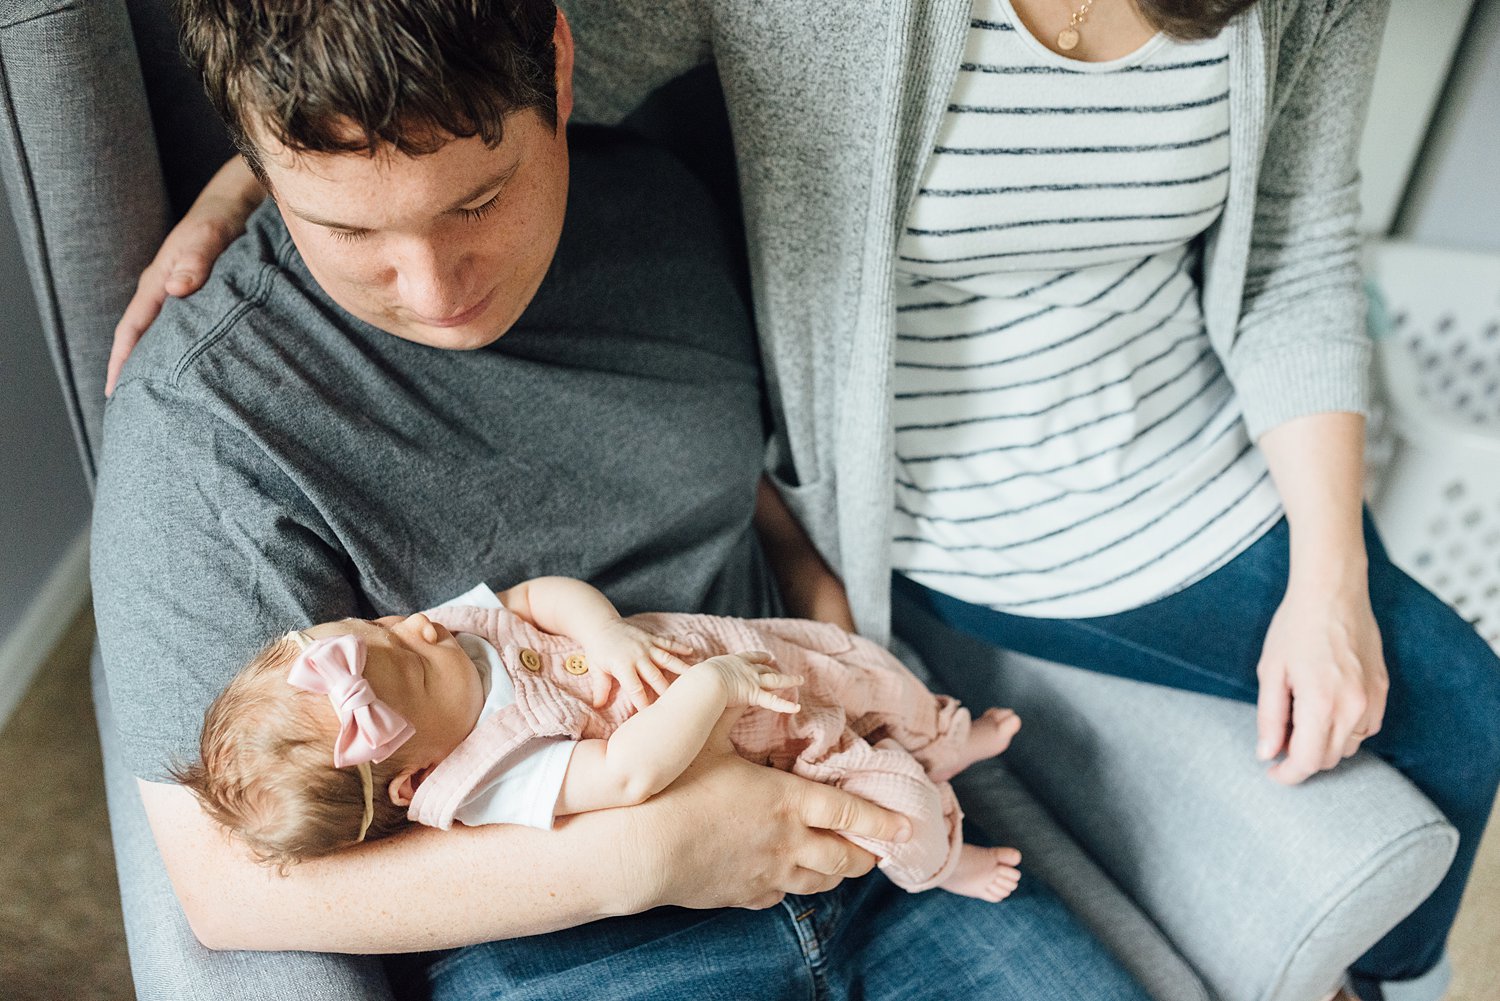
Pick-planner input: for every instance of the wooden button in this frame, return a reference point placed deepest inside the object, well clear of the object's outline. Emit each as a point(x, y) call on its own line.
point(531, 660)
point(576, 664)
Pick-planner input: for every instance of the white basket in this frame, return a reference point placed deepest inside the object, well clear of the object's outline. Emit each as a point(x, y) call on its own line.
point(1439, 360)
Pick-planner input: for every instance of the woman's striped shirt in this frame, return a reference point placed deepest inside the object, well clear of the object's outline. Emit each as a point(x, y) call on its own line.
point(1067, 443)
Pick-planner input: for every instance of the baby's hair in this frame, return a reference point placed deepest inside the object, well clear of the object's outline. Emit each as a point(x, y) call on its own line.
point(266, 768)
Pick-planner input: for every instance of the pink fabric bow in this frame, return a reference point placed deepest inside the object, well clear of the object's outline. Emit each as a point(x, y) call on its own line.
point(369, 730)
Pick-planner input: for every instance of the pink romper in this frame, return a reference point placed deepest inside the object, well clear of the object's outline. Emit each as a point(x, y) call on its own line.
point(867, 725)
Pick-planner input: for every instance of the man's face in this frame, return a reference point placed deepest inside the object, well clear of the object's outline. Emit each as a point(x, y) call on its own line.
point(445, 249)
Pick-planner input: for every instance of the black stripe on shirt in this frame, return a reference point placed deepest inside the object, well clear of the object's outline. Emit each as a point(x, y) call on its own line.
point(1255, 532)
point(1029, 69)
point(1019, 189)
point(1084, 109)
point(1163, 419)
point(1066, 340)
point(1093, 421)
point(1068, 221)
point(1164, 244)
point(1085, 394)
point(918, 307)
point(976, 390)
point(1063, 495)
point(979, 22)
point(1160, 517)
point(1048, 150)
point(1164, 455)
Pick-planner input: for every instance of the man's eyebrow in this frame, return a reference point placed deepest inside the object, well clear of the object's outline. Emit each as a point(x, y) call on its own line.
point(487, 185)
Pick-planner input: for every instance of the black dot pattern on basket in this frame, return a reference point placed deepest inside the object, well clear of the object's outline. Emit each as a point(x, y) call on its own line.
point(1458, 364)
point(1460, 557)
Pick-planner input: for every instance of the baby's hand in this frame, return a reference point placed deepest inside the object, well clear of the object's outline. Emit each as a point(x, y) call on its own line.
point(634, 658)
point(748, 680)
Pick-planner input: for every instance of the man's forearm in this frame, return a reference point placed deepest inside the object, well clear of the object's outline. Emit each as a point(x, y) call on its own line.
point(421, 890)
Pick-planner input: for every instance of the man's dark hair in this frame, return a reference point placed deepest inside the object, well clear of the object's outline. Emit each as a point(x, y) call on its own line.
point(1191, 20)
point(344, 76)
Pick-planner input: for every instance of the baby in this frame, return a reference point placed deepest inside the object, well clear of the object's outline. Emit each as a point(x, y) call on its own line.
point(542, 701)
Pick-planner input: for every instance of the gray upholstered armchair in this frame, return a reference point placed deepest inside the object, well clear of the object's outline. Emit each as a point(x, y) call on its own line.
point(1143, 807)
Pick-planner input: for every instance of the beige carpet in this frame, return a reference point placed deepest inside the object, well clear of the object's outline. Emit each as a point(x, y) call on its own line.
point(60, 934)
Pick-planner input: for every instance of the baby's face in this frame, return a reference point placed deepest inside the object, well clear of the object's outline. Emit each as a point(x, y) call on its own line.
point(418, 669)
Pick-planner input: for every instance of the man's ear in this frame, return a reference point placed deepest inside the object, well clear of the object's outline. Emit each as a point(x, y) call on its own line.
point(562, 42)
point(404, 786)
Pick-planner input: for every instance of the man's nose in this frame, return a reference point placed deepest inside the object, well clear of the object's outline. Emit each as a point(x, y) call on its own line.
point(432, 282)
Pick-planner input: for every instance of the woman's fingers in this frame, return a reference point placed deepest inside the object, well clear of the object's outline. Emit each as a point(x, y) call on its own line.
point(1272, 710)
point(1312, 723)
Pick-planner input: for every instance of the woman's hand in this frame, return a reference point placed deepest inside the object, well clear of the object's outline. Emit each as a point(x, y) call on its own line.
point(1323, 678)
point(634, 658)
point(186, 256)
point(748, 679)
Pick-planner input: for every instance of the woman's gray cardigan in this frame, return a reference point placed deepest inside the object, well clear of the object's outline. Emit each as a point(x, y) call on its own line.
point(834, 106)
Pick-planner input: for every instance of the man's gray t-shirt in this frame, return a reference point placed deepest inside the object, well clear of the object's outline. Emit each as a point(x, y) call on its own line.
point(271, 462)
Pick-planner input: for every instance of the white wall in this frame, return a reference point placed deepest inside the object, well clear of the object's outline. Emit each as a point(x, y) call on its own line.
point(1454, 198)
point(44, 504)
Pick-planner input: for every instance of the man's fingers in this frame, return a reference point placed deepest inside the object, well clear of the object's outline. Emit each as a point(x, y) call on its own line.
point(835, 810)
point(831, 856)
point(806, 882)
point(1272, 711)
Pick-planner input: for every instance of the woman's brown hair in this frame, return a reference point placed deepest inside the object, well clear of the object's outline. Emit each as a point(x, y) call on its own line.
point(1191, 20)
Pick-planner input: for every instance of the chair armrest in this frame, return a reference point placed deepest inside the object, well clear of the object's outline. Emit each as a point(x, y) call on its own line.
point(1269, 892)
point(166, 961)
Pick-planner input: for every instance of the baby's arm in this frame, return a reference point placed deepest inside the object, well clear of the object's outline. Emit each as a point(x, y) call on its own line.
point(615, 648)
point(653, 747)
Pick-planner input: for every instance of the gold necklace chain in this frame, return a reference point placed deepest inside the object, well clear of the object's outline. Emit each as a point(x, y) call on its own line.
point(1068, 38)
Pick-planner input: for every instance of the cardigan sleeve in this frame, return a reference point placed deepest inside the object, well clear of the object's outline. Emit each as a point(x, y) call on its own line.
point(1300, 346)
point(628, 48)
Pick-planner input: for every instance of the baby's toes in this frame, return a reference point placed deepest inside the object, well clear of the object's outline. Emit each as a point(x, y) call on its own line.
point(1008, 857)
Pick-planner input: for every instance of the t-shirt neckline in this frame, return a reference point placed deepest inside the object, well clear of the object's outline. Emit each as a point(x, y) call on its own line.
point(1146, 50)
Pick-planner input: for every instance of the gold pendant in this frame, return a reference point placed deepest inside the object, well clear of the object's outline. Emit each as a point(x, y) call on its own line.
point(1067, 39)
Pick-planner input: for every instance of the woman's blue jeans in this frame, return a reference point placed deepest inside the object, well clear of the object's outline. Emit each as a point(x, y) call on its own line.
point(1442, 722)
point(866, 940)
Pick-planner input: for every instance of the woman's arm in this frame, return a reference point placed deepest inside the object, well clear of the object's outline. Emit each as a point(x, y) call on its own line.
point(187, 255)
point(652, 748)
point(1322, 674)
point(807, 585)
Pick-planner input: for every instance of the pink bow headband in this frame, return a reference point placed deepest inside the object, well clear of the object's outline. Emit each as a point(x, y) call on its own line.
point(369, 730)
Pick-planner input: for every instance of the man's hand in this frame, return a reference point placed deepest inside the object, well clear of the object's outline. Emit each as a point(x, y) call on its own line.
point(186, 256)
point(1322, 677)
point(729, 833)
point(636, 659)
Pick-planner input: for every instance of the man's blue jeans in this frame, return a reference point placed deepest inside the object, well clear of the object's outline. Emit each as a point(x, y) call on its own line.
point(865, 939)
point(1442, 722)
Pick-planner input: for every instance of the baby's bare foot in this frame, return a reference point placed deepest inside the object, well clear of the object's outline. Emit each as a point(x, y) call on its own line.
point(989, 735)
point(987, 873)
